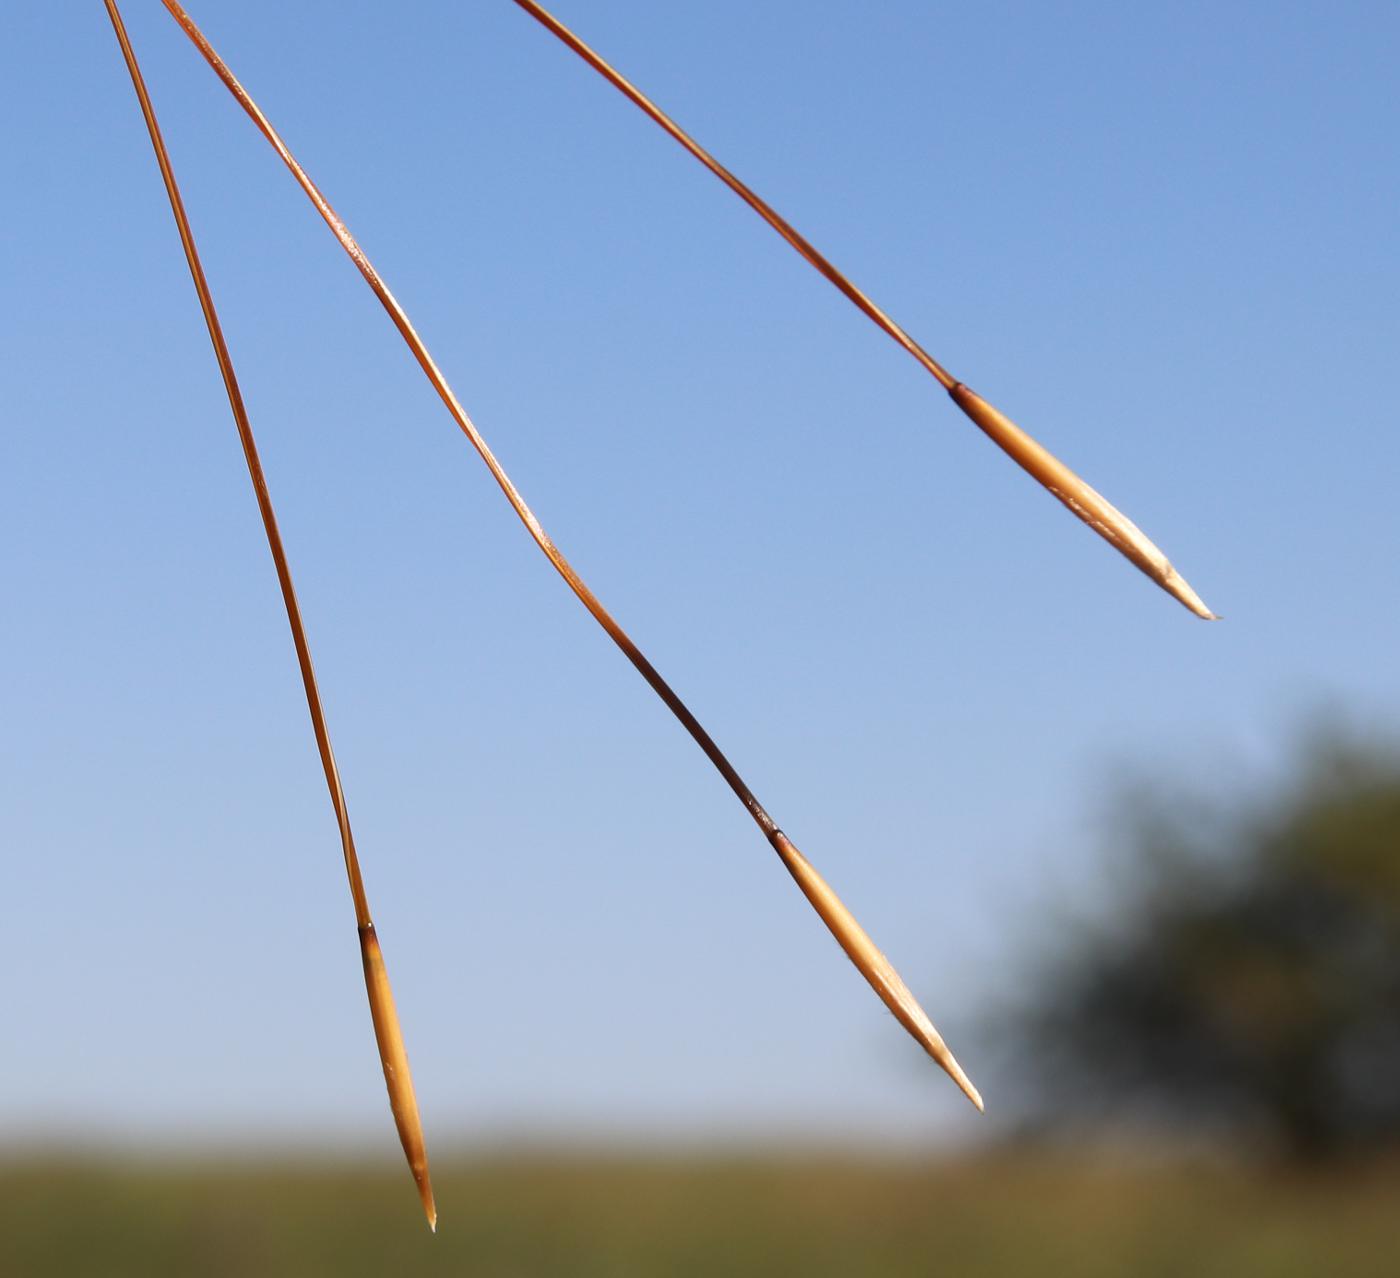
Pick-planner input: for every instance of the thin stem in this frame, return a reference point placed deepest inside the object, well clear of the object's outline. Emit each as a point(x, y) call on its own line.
point(1038, 462)
point(746, 193)
point(390, 1039)
point(857, 945)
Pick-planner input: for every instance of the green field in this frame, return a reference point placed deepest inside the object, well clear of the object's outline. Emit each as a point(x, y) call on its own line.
point(714, 1216)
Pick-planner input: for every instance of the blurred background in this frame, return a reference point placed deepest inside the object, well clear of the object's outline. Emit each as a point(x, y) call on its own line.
point(1140, 870)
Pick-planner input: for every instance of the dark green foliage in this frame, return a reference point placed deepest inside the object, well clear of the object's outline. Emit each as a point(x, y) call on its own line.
point(1249, 981)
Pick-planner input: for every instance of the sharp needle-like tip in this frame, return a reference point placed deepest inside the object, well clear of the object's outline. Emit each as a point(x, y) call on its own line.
point(913, 1017)
point(425, 1193)
point(871, 963)
point(394, 1059)
point(1090, 506)
point(1179, 588)
point(955, 1072)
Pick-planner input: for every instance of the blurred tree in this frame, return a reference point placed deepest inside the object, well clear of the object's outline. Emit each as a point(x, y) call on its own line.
point(1250, 982)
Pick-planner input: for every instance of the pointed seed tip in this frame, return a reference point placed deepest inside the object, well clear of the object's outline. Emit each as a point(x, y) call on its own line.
point(950, 1066)
point(1180, 589)
point(426, 1197)
point(969, 1091)
point(1197, 605)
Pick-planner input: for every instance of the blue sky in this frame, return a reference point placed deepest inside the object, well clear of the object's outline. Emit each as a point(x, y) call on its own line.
point(1163, 239)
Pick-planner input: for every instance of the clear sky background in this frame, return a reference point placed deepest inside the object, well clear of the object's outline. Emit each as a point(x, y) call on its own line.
point(1163, 238)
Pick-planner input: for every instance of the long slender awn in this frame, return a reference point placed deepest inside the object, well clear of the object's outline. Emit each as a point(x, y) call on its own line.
point(387, 1033)
point(1110, 523)
point(871, 963)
